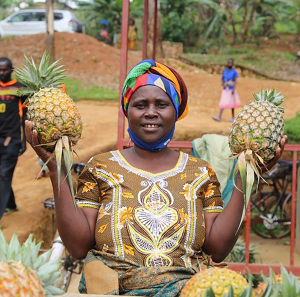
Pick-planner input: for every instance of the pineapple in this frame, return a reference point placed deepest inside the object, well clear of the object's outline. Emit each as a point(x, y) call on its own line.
point(18, 280)
point(255, 135)
point(281, 285)
point(52, 112)
point(216, 282)
point(223, 282)
point(23, 272)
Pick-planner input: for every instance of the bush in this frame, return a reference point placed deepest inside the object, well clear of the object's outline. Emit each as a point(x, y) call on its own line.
point(292, 129)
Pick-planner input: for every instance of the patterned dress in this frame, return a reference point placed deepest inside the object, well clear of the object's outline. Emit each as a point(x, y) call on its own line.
point(229, 99)
point(151, 220)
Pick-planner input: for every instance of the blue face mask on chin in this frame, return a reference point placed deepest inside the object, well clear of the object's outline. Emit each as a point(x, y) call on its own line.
point(152, 146)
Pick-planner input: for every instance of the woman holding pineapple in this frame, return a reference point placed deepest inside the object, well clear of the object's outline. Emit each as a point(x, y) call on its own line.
point(147, 217)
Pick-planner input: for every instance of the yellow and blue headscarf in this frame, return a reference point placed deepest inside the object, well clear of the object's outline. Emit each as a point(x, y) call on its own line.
point(149, 72)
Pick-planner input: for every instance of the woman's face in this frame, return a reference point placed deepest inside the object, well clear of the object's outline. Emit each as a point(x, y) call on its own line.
point(151, 114)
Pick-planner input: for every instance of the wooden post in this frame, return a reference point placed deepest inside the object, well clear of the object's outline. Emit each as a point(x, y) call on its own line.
point(145, 30)
point(154, 31)
point(123, 69)
point(50, 29)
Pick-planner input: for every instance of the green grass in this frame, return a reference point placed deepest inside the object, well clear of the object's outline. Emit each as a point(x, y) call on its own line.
point(292, 129)
point(271, 63)
point(76, 90)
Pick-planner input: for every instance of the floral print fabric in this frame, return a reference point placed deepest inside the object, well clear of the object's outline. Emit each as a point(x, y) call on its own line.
point(137, 280)
point(153, 220)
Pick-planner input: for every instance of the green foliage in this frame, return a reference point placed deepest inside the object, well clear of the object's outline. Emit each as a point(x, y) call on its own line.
point(109, 10)
point(180, 21)
point(238, 253)
point(286, 27)
point(7, 7)
point(77, 91)
point(260, 61)
point(292, 129)
point(237, 51)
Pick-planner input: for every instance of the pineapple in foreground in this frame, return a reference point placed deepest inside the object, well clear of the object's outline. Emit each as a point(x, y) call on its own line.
point(18, 280)
point(255, 135)
point(52, 112)
point(284, 284)
point(23, 273)
point(216, 282)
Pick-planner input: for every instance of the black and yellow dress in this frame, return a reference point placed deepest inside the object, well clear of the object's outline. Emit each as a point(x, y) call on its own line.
point(152, 222)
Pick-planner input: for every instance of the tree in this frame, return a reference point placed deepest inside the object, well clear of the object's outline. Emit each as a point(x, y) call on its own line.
point(181, 21)
point(50, 29)
point(159, 48)
point(109, 10)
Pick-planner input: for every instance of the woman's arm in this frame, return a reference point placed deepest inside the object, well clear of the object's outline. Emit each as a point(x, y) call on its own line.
point(75, 226)
point(221, 228)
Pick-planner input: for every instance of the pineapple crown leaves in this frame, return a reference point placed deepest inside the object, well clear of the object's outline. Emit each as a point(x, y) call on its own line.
point(272, 96)
point(28, 254)
point(288, 287)
point(290, 283)
point(36, 78)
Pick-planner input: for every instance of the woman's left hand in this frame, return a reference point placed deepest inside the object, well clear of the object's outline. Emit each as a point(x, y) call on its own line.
point(278, 154)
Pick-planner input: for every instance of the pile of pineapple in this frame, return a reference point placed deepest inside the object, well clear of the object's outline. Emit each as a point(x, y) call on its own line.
point(25, 273)
point(223, 282)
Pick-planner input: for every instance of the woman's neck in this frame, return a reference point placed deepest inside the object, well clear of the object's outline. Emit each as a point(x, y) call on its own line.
point(145, 154)
point(154, 162)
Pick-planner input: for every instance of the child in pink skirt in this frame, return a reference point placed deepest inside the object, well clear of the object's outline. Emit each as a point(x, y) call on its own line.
point(230, 97)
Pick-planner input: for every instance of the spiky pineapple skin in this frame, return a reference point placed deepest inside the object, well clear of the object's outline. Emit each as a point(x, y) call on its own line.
point(219, 279)
point(259, 127)
point(17, 280)
point(54, 114)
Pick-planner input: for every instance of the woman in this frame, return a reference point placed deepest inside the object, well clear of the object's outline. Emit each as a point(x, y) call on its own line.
point(230, 97)
point(148, 217)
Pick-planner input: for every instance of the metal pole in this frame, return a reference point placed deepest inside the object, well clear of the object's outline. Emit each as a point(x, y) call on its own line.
point(293, 215)
point(154, 30)
point(123, 68)
point(145, 30)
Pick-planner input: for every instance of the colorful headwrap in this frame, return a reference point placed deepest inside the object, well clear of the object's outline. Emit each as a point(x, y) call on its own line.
point(149, 72)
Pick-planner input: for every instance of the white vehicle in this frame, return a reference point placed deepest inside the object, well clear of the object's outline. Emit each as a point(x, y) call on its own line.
point(33, 21)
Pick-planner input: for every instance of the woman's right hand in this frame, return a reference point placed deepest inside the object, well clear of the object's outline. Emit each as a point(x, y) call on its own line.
point(32, 139)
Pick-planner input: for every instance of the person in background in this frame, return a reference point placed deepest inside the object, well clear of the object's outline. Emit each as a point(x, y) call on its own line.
point(12, 116)
point(230, 97)
point(132, 33)
point(103, 33)
point(117, 38)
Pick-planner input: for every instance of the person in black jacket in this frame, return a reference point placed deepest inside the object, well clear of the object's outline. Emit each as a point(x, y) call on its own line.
point(11, 144)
